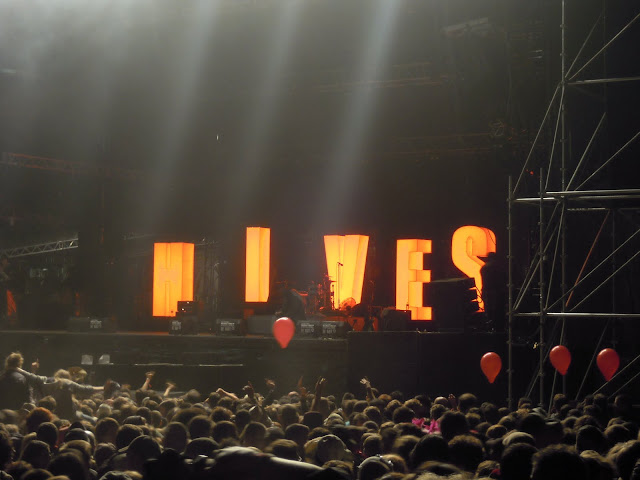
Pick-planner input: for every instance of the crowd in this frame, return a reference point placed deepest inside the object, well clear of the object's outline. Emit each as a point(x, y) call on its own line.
point(57, 427)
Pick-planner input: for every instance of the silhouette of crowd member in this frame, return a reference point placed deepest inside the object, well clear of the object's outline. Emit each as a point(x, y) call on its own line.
point(16, 384)
point(380, 428)
point(558, 462)
point(494, 289)
point(64, 390)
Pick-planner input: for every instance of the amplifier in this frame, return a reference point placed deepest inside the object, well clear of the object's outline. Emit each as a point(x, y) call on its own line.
point(392, 320)
point(184, 325)
point(334, 329)
point(229, 326)
point(260, 324)
point(91, 324)
point(188, 307)
point(308, 328)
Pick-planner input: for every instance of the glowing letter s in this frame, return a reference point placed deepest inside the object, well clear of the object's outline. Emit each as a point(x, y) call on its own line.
point(467, 244)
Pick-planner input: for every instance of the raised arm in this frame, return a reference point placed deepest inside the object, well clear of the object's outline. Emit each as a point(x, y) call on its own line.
point(224, 393)
point(32, 378)
point(147, 381)
point(304, 396)
point(169, 386)
point(318, 393)
point(367, 384)
point(271, 388)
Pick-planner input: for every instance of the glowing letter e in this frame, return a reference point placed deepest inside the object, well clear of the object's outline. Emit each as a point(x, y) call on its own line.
point(257, 264)
point(410, 277)
point(467, 244)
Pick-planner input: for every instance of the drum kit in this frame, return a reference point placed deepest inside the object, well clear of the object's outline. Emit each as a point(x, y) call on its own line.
point(320, 297)
point(320, 300)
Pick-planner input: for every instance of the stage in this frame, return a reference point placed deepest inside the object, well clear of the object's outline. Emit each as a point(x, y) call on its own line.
point(412, 362)
point(203, 361)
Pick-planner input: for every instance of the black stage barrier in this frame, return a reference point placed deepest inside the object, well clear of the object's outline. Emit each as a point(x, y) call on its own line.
point(432, 363)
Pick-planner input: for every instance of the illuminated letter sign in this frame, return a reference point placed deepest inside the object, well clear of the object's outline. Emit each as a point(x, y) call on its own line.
point(410, 277)
point(257, 264)
point(346, 260)
point(172, 277)
point(467, 244)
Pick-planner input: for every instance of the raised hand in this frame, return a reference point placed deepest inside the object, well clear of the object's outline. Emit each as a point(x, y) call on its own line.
point(249, 390)
point(320, 384)
point(301, 389)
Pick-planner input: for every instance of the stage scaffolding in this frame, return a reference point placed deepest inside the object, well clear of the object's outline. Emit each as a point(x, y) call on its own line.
point(569, 185)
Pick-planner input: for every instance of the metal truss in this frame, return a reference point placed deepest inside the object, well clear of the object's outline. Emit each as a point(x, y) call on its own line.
point(68, 167)
point(459, 143)
point(49, 247)
point(13, 215)
point(72, 243)
point(560, 193)
point(417, 74)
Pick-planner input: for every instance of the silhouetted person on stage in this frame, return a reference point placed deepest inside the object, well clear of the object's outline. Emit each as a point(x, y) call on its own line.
point(293, 305)
point(494, 289)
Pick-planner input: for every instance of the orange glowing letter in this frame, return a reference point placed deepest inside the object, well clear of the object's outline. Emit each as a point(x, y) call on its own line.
point(346, 260)
point(257, 264)
point(410, 277)
point(467, 244)
point(172, 277)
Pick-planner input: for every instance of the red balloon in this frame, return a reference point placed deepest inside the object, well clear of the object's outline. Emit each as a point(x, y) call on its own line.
point(491, 364)
point(560, 359)
point(283, 330)
point(608, 363)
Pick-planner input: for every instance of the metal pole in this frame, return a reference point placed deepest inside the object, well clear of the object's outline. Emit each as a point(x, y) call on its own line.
point(587, 149)
point(577, 315)
point(609, 160)
point(593, 270)
point(535, 140)
point(633, 257)
point(510, 288)
point(598, 81)
point(541, 286)
point(593, 358)
point(615, 37)
point(584, 44)
point(563, 177)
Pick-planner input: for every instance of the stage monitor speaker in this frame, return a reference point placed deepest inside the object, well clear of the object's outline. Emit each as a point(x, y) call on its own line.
point(189, 307)
point(454, 300)
point(184, 325)
point(334, 329)
point(392, 320)
point(308, 328)
point(229, 326)
point(91, 324)
point(260, 324)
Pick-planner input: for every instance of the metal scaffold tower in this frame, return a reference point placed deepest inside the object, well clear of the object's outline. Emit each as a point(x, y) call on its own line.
point(570, 164)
